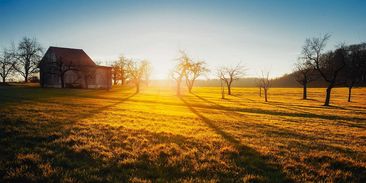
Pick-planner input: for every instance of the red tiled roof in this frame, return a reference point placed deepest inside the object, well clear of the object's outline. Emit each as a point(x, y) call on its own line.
point(71, 55)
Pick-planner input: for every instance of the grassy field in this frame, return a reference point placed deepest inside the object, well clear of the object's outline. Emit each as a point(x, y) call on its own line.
point(94, 135)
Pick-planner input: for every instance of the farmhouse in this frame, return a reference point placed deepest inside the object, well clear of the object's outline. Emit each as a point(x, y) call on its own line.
point(72, 68)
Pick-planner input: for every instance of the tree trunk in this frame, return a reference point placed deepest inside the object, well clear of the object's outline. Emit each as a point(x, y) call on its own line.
point(327, 97)
point(26, 77)
point(265, 95)
point(123, 81)
point(349, 93)
point(3, 74)
point(114, 80)
point(138, 88)
point(305, 95)
point(260, 91)
point(190, 86)
point(228, 89)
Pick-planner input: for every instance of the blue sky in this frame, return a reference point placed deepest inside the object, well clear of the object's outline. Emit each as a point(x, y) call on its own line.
point(263, 35)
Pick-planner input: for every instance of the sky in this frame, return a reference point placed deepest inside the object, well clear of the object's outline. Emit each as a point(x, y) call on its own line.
point(260, 34)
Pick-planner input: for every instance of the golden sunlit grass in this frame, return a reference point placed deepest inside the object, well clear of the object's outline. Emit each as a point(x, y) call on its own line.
point(95, 135)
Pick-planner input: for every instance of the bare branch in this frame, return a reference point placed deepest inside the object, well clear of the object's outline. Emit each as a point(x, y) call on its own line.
point(230, 74)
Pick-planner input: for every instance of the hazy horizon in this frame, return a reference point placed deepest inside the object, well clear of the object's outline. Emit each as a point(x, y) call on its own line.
point(263, 35)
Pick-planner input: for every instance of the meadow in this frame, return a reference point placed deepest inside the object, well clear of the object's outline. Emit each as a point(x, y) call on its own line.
point(72, 135)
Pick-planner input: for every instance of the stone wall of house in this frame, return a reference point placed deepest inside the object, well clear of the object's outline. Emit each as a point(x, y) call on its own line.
point(48, 79)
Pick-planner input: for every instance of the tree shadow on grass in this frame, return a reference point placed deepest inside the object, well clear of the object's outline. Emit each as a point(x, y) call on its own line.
point(345, 166)
point(295, 105)
point(16, 95)
point(249, 159)
point(247, 110)
point(279, 113)
point(332, 107)
point(102, 153)
point(348, 122)
point(91, 113)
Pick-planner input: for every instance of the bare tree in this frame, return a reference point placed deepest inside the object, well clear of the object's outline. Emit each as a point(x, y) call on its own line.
point(28, 57)
point(222, 89)
point(136, 71)
point(355, 66)
point(7, 63)
point(230, 74)
point(304, 74)
point(259, 85)
point(116, 72)
point(328, 65)
point(180, 69)
point(331, 64)
point(195, 69)
point(147, 71)
point(177, 75)
point(123, 63)
point(265, 83)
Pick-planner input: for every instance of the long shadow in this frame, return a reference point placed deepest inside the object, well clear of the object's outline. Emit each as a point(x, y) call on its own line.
point(93, 112)
point(14, 95)
point(270, 131)
point(285, 133)
point(207, 101)
point(289, 104)
point(86, 165)
point(269, 128)
point(82, 165)
point(300, 109)
point(248, 158)
point(315, 107)
point(30, 94)
point(279, 113)
point(241, 97)
point(247, 110)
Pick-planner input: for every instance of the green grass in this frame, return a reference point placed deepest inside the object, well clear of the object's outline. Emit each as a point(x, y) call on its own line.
point(72, 135)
